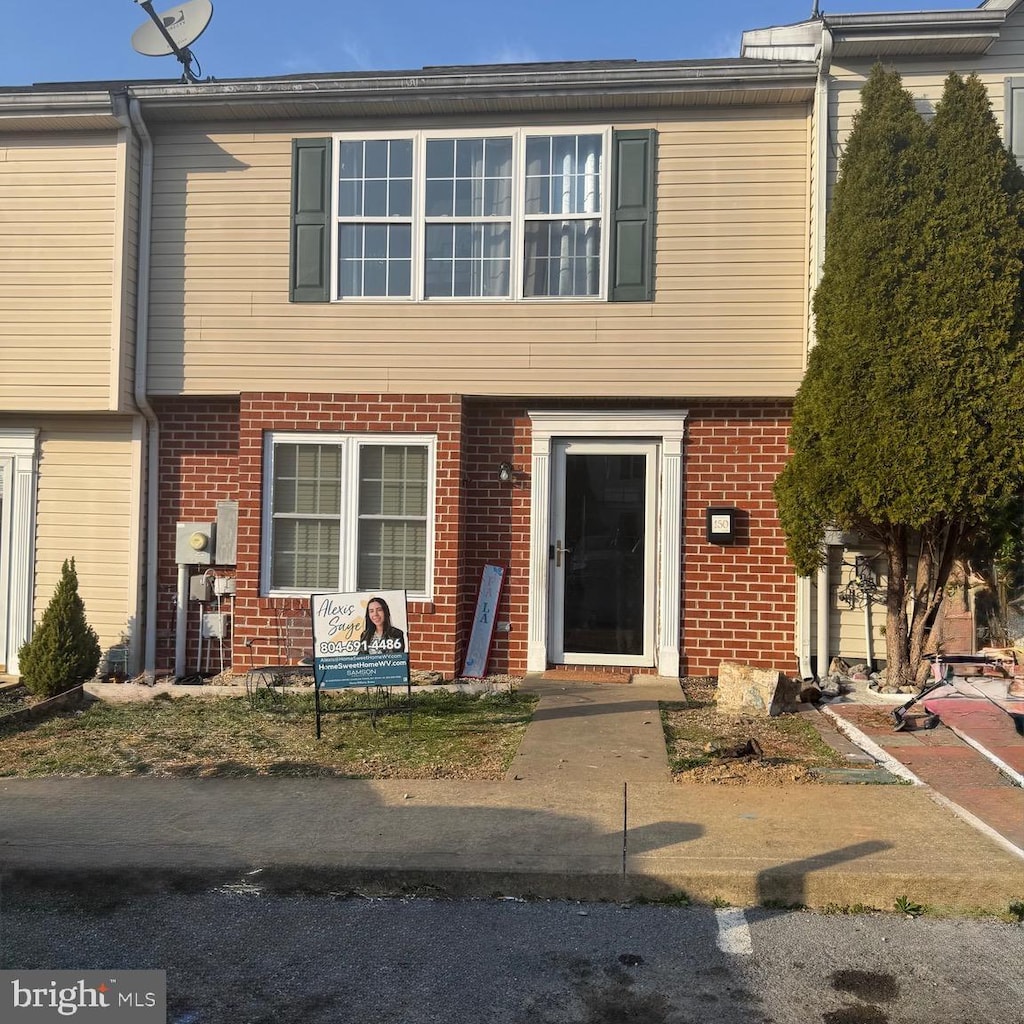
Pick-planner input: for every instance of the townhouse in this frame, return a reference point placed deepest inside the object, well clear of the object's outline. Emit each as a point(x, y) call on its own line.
point(375, 331)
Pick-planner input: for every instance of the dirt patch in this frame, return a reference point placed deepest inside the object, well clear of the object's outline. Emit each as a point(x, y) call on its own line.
point(704, 743)
point(15, 698)
point(877, 719)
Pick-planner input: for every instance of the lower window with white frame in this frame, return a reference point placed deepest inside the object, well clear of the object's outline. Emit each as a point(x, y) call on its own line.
point(348, 512)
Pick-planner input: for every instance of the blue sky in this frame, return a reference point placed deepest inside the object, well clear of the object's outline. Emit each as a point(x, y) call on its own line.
point(70, 40)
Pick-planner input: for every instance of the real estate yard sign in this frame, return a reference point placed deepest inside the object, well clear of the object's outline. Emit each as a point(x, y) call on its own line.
point(360, 639)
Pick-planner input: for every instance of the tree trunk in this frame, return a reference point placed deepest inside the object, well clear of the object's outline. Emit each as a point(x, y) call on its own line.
point(940, 546)
point(926, 603)
point(896, 622)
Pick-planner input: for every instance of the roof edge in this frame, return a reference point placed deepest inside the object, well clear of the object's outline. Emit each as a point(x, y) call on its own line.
point(983, 23)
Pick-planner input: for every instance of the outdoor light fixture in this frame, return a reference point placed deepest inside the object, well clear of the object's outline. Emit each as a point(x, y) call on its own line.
point(505, 472)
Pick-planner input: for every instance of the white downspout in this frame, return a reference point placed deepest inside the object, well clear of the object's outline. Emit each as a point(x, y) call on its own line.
point(869, 640)
point(803, 620)
point(823, 613)
point(820, 200)
point(141, 373)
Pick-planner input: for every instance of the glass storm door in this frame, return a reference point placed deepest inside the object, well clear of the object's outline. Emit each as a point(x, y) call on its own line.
point(602, 553)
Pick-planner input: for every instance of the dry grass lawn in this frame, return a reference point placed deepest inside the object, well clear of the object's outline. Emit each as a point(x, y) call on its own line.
point(452, 736)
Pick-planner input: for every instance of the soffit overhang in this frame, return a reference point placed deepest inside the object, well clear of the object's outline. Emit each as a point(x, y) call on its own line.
point(472, 91)
point(917, 34)
point(25, 111)
point(885, 36)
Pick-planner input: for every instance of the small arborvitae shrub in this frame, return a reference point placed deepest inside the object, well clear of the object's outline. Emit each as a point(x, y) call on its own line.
point(64, 650)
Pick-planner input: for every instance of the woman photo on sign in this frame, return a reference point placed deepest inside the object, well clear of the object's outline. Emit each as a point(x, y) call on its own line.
point(379, 636)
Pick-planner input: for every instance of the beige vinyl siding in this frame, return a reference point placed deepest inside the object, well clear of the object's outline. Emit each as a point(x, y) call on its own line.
point(925, 79)
point(728, 317)
point(84, 511)
point(57, 217)
point(847, 626)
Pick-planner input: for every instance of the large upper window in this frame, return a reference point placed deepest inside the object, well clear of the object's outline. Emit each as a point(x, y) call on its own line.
point(504, 215)
point(347, 512)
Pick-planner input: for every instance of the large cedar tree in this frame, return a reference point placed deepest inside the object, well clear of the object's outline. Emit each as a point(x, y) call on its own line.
point(909, 425)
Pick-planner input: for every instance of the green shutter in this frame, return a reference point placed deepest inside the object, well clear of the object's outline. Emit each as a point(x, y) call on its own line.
point(311, 231)
point(632, 241)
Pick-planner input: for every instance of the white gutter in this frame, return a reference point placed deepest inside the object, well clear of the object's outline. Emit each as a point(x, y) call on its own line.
point(819, 196)
point(141, 399)
point(820, 200)
point(803, 626)
point(820, 185)
point(559, 79)
point(822, 586)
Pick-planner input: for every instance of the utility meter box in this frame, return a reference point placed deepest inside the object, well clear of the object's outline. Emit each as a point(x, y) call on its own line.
point(194, 543)
point(226, 547)
point(200, 588)
point(216, 625)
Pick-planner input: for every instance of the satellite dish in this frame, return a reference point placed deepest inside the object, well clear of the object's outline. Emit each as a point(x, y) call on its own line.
point(173, 31)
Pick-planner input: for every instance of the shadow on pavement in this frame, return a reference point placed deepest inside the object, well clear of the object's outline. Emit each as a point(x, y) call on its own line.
point(111, 838)
point(786, 884)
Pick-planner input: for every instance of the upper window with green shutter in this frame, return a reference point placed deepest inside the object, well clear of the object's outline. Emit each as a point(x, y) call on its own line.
point(505, 215)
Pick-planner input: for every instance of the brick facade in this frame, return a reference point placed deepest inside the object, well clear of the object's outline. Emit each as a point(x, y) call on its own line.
point(198, 468)
point(738, 600)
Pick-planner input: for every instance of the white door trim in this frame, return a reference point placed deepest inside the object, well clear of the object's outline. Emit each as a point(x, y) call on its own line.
point(19, 450)
point(666, 426)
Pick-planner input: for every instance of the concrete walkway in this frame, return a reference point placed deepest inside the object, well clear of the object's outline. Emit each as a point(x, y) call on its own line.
point(586, 811)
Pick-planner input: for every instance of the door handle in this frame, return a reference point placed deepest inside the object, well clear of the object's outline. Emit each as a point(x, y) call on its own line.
point(559, 551)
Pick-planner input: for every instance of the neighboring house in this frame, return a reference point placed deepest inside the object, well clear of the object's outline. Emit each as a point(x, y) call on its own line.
point(924, 46)
point(408, 323)
point(70, 437)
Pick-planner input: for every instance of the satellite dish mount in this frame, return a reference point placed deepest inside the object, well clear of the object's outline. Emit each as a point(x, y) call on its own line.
point(172, 32)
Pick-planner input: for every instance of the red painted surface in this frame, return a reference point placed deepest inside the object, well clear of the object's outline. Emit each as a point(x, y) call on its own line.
point(943, 760)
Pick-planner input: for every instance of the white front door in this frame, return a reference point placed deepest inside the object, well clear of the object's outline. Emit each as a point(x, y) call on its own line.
point(603, 552)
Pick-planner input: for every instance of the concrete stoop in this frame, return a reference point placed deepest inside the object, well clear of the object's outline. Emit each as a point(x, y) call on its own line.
point(575, 674)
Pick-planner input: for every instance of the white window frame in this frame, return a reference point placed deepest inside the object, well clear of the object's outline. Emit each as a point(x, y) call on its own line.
point(337, 220)
point(1012, 88)
point(518, 218)
point(349, 514)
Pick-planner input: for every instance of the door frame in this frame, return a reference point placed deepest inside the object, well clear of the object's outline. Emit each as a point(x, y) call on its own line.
point(19, 453)
point(666, 427)
point(560, 448)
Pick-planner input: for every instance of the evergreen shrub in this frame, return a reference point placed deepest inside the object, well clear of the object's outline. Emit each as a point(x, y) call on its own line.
point(64, 650)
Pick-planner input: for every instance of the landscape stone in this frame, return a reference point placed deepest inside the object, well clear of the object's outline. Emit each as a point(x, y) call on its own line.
point(743, 689)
